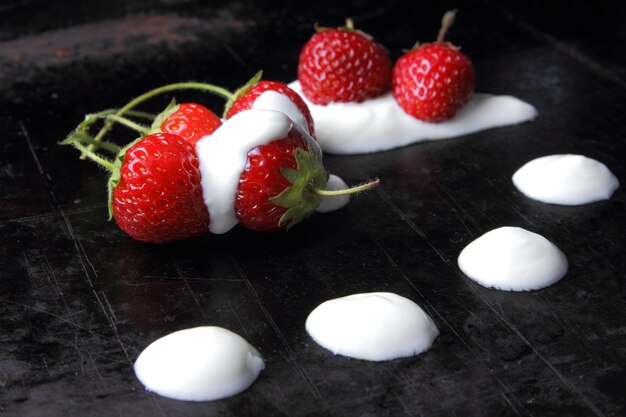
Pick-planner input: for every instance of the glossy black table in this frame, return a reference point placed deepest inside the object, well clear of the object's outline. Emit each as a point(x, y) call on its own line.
point(79, 299)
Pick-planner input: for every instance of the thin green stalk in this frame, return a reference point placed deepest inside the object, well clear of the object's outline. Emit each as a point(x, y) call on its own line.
point(353, 190)
point(93, 156)
point(164, 89)
point(130, 124)
point(83, 137)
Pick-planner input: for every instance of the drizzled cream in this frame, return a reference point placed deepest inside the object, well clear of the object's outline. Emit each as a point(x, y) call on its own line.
point(513, 259)
point(199, 364)
point(566, 180)
point(380, 124)
point(223, 156)
point(376, 326)
point(273, 100)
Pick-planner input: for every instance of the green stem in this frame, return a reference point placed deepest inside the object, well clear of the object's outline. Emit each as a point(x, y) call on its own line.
point(130, 124)
point(164, 89)
point(83, 137)
point(93, 156)
point(141, 114)
point(446, 22)
point(353, 190)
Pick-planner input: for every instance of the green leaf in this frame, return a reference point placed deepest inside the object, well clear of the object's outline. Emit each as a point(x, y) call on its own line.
point(300, 199)
point(161, 117)
point(241, 91)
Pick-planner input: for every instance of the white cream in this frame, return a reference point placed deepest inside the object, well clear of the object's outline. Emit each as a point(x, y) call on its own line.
point(273, 100)
point(566, 180)
point(380, 124)
point(223, 156)
point(376, 326)
point(513, 259)
point(199, 364)
point(333, 203)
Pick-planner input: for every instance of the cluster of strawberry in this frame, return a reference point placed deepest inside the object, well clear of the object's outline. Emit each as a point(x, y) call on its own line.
point(431, 82)
point(155, 184)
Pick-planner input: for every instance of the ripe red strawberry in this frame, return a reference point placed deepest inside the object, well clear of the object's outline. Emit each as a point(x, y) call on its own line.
point(190, 121)
point(158, 197)
point(247, 96)
point(154, 189)
point(435, 80)
point(343, 65)
point(278, 187)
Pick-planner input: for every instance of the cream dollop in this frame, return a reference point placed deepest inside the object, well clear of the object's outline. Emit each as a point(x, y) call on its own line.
point(376, 326)
point(566, 180)
point(513, 259)
point(199, 364)
point(380, 124)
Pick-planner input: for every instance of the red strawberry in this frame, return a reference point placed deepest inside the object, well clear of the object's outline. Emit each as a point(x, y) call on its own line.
point(283, 181)
point(435, 80)
point(247, 96)
point(278, 187)
point(343, 65)
point(154, 189)
point(190, 121)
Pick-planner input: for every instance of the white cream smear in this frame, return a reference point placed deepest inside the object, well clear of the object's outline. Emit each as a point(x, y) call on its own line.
point(199, 364)
point(333, 203)
point(513, 259)
point(376, 326)
point(273, 100)
point(223, 156)
point(380, 124)
point(566, 180)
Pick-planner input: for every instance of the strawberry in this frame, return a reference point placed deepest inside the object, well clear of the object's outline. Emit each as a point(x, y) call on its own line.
point(278, 187)
point(190, 121)
point(246, 97)
point(264, 172)
point(154, 189)
point(343, 65)
point(434, 81)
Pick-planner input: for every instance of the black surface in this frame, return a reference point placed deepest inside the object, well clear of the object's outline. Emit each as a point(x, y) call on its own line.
point(79, 299)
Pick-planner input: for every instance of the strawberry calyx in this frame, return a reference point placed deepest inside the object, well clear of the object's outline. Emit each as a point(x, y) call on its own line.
point(308, 186)
point(241, 91)
point(301, 198)
point(115, 177)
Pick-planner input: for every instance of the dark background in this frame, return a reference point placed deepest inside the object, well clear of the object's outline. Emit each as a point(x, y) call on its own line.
point(79, 299)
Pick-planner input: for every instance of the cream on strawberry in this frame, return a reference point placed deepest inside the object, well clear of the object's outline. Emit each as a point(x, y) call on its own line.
point(273, 100)
point(223, 157)
point(379, 124)
point(245, 180)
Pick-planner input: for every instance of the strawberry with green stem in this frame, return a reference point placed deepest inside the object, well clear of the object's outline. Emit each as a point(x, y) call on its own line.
point(283, 181)
point(291, 191)
point(433, 81)
point(154, 187)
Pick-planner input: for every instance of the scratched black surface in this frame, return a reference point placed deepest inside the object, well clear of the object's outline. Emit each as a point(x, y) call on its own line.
point(79, 300)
